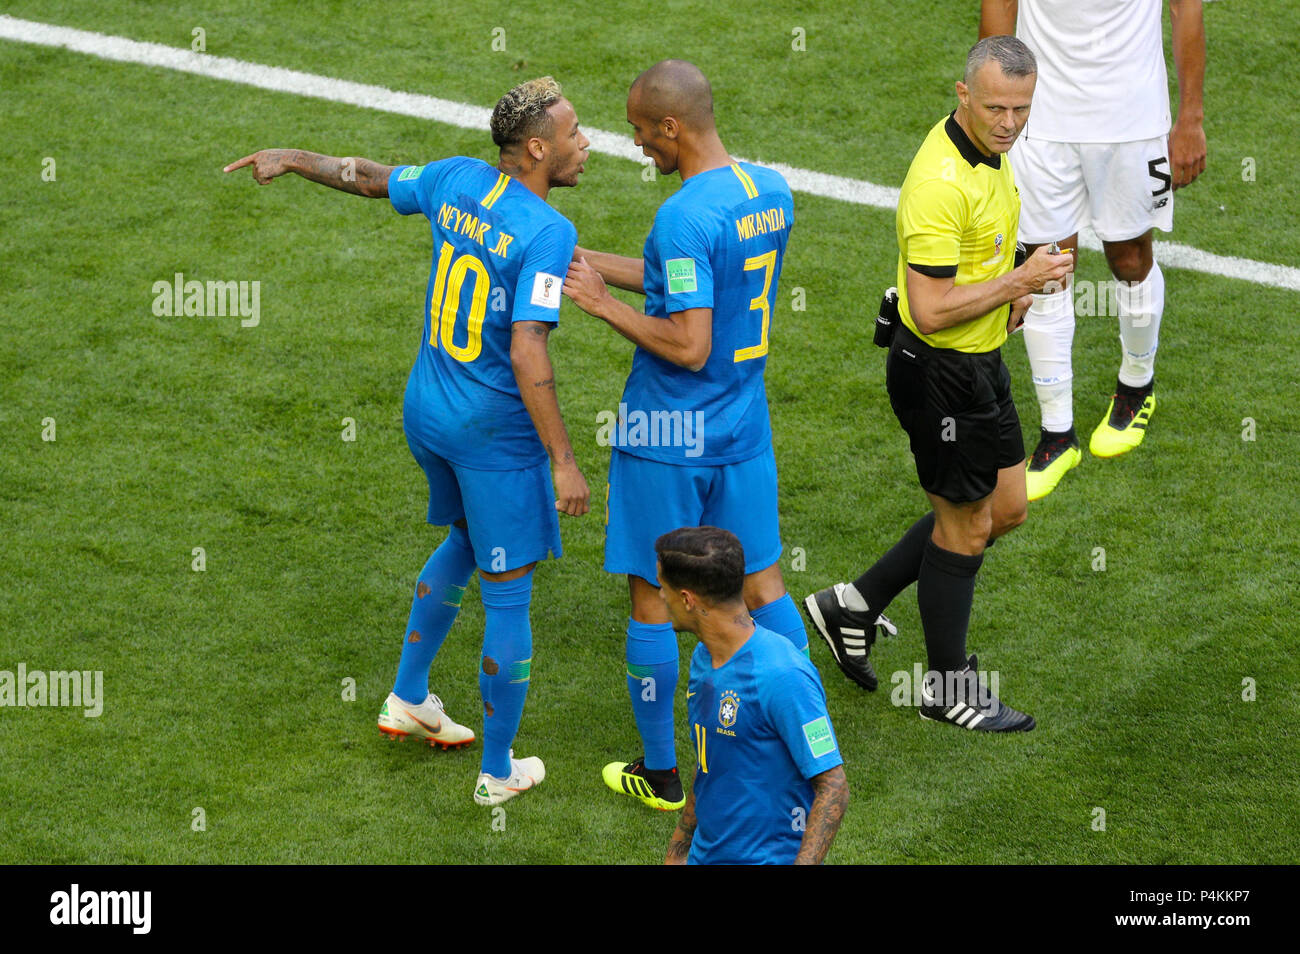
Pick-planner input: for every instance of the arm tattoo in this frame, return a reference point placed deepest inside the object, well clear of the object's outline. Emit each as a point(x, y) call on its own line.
point(829, 802)
point(352, 174)
point(679, 846)
point(564, 458)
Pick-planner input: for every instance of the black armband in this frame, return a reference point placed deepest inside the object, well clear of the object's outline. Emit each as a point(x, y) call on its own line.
point(934, 271)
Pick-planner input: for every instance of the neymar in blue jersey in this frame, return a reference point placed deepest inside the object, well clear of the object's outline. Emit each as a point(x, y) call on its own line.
point(691, 439)
point(769, 782)
point(481, 414)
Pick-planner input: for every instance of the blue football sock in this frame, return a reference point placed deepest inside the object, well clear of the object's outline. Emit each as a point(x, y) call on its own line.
point(438, 591)
point(651, 683)
point(781, 616)
point(505, 667)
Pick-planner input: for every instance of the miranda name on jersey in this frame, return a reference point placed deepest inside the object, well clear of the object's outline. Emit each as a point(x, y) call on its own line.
point(760, 223)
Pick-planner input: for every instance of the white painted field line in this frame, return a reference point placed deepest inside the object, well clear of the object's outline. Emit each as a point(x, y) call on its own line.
point(446, 111)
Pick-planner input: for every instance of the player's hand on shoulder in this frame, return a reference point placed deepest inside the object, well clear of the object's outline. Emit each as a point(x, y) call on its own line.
point(1187, 151)
point(267, 164)
point(584, 286)
point(572, 497)
point(1046, 270)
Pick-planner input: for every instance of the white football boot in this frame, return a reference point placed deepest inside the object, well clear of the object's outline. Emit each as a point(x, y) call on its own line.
point(524, 774)
point(426, 722)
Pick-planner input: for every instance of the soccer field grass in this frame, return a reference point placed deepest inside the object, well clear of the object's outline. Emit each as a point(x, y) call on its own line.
point(1165, 684)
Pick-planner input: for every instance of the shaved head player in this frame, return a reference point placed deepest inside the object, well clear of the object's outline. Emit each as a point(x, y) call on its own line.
point(693, 445)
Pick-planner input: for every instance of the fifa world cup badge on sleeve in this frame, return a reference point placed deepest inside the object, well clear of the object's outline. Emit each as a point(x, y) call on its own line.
point(546, 290)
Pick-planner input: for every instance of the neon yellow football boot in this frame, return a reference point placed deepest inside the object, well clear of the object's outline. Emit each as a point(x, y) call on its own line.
point(663, 792)
point(1054, 457)
point(1125, 423)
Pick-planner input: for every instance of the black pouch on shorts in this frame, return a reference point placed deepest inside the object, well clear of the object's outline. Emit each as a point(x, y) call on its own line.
point(887, 320)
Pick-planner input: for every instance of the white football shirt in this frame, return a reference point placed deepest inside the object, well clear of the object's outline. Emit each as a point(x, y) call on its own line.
point(1101, 70)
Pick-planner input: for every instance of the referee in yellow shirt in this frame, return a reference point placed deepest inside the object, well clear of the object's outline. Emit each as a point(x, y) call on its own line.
point(959, 295)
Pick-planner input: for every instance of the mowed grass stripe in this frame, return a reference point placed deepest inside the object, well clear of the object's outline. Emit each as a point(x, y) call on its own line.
point(278, 79)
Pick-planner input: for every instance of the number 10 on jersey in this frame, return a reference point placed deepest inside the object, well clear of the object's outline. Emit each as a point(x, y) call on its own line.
point(444, 303)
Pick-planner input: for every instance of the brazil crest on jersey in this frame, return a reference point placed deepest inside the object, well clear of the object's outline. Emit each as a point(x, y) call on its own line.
point(717, 243)
point(761, 730)
point(500, 254)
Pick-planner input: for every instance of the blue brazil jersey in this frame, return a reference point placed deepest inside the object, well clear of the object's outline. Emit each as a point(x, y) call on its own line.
point(761, 730)
point(500, 254)
point(716, 243)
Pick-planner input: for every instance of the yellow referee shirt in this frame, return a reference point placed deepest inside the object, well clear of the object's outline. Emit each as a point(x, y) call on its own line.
point(957, 217)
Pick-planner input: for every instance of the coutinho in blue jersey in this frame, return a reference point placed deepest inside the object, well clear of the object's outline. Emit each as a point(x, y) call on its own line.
point(500, 254)
point(717, 243)
point(761, 731)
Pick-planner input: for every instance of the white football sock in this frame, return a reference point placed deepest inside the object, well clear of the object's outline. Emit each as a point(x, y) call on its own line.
point(1140, 307)
point(1049, 335)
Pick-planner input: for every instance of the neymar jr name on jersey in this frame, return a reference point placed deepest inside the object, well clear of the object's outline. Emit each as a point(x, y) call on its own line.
point(463, 222)
point(760, 223)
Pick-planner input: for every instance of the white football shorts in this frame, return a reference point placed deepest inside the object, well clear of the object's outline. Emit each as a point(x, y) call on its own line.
point(1121, 189)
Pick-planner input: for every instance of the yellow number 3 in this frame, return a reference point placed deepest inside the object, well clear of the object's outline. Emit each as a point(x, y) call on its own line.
point(767, 262)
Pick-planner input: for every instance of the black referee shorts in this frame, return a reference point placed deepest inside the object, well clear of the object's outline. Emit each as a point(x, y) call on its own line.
point(958, 413)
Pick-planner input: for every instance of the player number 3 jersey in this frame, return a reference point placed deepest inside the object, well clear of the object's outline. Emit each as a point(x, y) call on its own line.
point(717, 243)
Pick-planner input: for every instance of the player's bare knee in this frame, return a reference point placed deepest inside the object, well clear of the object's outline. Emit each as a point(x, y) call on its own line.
point(763, 587)
point(507, 575)
point(647, 605)
point(969, 536)
point(1129, 261)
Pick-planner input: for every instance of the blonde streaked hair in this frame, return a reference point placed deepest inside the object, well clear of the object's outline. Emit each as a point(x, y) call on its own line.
point(521, 113)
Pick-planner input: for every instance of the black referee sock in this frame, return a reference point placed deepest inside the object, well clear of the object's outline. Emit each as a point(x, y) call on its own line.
point(897, 569)
point(945, 590)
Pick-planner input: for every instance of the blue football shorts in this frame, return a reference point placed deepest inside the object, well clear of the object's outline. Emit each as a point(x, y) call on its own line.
point(510, 514)
point(647, 498)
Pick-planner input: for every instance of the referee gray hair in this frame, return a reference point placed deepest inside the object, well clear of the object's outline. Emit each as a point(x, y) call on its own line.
point(1012, 55)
